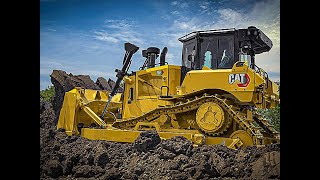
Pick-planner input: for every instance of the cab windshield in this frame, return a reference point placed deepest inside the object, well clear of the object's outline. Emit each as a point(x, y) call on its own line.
point(217, 52)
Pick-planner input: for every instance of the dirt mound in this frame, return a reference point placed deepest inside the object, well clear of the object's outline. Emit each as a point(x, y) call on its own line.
point(103, 84)
point(70, 157)
point(64, 82)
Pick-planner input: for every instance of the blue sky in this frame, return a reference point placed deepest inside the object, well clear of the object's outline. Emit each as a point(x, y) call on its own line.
point(87, 36)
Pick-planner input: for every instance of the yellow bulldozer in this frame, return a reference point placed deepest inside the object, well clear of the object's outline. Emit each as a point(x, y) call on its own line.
point(212, 98)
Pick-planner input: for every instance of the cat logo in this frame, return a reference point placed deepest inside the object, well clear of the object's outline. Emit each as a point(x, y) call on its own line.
point(244, 79)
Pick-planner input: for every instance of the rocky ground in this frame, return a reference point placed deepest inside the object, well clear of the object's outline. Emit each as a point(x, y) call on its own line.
point(149, 157)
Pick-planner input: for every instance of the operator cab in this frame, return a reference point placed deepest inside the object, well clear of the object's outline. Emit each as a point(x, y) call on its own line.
point(220, 49)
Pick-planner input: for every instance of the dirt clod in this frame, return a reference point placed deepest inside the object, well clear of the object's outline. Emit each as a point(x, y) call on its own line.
point(178, 145)
point(54, 168)
point(147, 141)
point(103, 84)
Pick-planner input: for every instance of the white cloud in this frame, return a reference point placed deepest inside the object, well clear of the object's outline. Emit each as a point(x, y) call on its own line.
point(119, 24)
point(230, 16)
point(129, 36)
point(184, 5)
point(169, 56)
point(104, 36)
point(171, 39)
point(206, 7)
point(174, 56)
point(50, 29)
point(187, 26)
point(174, 3)
point(175, 13)
point(203, 7)
point(180, 4)
point(124, 32)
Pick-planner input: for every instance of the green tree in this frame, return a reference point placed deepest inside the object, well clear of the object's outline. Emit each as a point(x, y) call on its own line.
point(47, 94)
point(273, 115)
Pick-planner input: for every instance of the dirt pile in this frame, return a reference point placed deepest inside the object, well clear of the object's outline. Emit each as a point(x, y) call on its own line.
point(72, 157)
point(103, 84)
point(64, 82)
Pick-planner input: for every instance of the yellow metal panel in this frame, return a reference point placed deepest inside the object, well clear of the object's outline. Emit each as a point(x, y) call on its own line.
point(110, 135)
point(130, 136)
point(149, 85)
point(197, 80)
point(89, 94)
point(124, 135)
point(94, 116)
point(117, 98)
point(130, 109)
point(147, 105)
point(218, 140)
point(258, 80)
point(206, 68)
point(168, 135)
point(92, 103)
point(147, 89)
point(174, 79)
point(67, 112)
